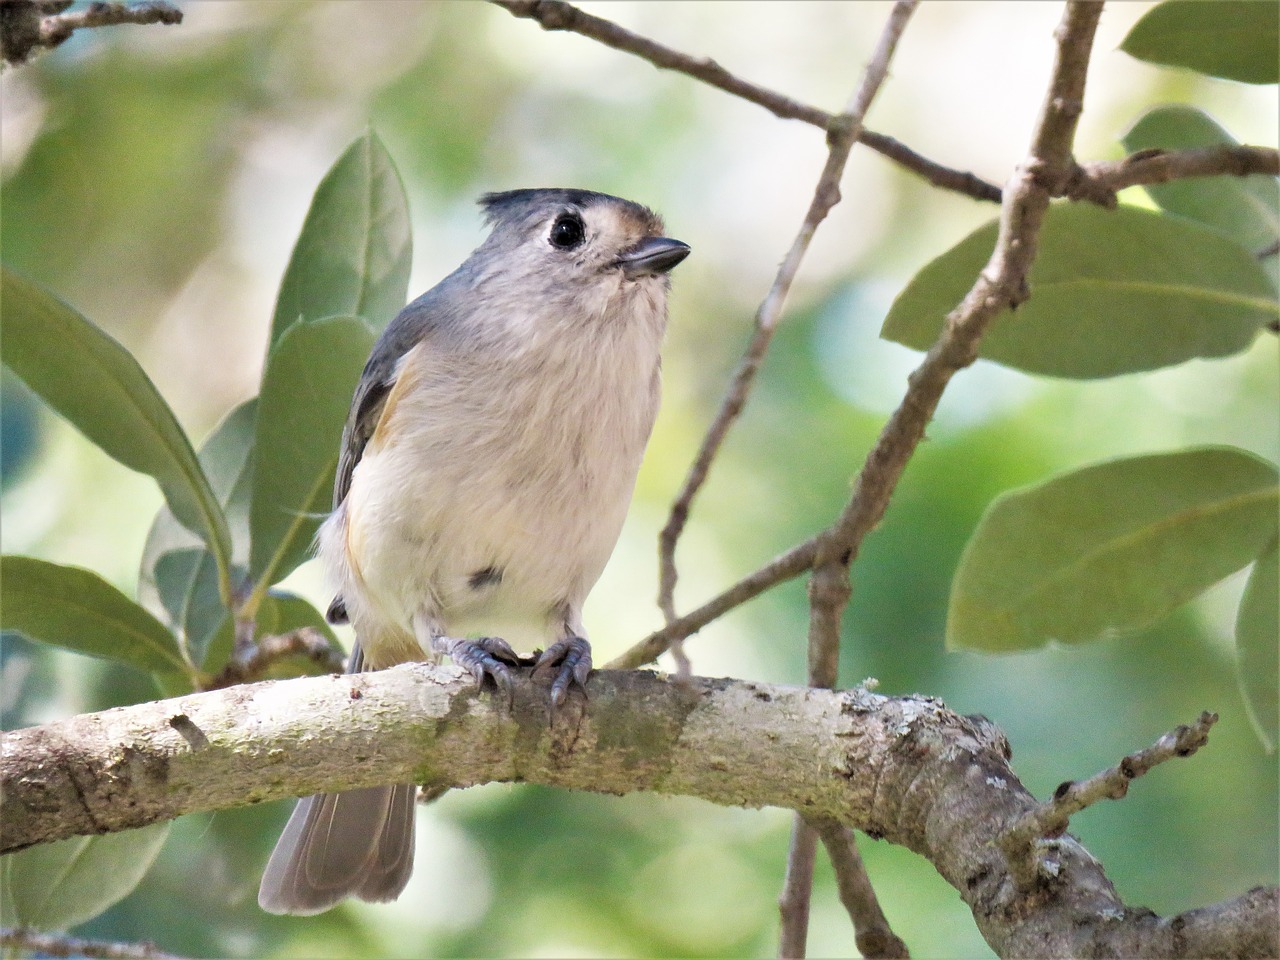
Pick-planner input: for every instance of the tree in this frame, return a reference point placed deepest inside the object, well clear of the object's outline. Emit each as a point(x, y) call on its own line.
point(1100, 289)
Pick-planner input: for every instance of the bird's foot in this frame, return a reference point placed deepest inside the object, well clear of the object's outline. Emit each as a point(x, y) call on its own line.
point(485, 658)
point(570, 662)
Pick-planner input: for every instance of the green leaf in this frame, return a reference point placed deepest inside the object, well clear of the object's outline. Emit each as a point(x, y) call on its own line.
point(98, 386)
point(1258, 646)
point(1113, 547)
point(54, 886)
point(289, 612)
point(306, 392)
point(187, 584)
point(76, 609)
point(1233, 39)
point(178, 577)
point(1247, 209)
point(1112, 292)
point(354, 252)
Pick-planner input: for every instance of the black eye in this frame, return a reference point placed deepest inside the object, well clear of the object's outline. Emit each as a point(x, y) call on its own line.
point(567, 232)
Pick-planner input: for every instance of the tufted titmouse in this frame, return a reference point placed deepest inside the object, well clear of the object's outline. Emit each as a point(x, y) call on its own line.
point(486, 468)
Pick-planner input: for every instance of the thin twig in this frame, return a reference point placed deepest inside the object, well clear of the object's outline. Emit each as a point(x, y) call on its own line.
point(1050, 819)
point(784, 567)
point(267, 652)
point(557, 15)
point(1137, 170)
point(871, 930)
point(31, 26)
point(843, 134)
point(1000, 286)
point(61, 945)
point(1098, 182)
point(797, 889)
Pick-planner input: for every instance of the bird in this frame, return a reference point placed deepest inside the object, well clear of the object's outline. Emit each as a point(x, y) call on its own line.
point(486, 467)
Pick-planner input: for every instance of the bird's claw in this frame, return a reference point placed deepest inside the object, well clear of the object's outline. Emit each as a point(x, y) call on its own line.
point(570, 659)
point(486, 658)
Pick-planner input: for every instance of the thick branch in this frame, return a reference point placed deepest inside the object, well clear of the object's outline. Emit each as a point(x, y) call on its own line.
point(905, 769)
point(557, 15)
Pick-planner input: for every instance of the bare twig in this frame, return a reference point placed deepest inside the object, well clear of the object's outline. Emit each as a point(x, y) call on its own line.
point(843, 134)
point(797, 891)
point(62, 945)
point(778, 570)
point(1001, 285)
point(1099, 182)
point(266, 653)
point(872, 933)
point(1137, 170)
point(797, 888)
point(557, 15)
point(31, 26)
point(1050, 819)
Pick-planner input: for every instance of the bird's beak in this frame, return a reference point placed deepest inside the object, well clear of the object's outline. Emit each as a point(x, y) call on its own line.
point(651, 256)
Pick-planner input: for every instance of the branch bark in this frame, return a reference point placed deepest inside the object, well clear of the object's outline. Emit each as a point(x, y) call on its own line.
point(28, 27)
point(905, 769)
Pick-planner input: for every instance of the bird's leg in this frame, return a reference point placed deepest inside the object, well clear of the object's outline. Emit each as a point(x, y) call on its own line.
point(569, 659)
point(482, 657)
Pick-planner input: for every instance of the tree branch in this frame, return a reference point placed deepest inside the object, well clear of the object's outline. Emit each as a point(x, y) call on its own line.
point(797, 891)
point(557, 15)
point(31, 26)
point(1098, 182)
point(825, 609)
point(62, 945)
point(1050, 820)
point(267, 652)
point(905, 769)
point(872, 933)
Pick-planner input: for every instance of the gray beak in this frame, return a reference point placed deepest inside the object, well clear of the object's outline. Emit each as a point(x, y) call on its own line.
point(652, 255)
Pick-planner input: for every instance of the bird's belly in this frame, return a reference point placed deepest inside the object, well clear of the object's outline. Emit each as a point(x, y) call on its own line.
point(502, 551)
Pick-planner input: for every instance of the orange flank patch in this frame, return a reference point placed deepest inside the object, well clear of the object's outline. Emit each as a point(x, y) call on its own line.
point(410, 373)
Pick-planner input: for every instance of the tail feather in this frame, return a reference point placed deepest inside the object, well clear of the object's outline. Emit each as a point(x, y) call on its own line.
point(336, 845)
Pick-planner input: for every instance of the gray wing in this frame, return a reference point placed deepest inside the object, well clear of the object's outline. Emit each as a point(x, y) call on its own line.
point(412, 325)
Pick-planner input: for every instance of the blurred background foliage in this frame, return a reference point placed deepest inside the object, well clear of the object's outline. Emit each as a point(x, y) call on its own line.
point(155, 178)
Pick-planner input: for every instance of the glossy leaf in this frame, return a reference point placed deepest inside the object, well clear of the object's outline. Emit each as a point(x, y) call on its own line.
point(1113, 547)
point(1258, 646)
point(289, 612)
point(306, 392)
point(1233, 39)
point(54, 886)
point(188, 588)
point(78, 610)
point(99, 387)
point(1247, 209)
point(1112, 292)
point(354, 252)
point(178, 578)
